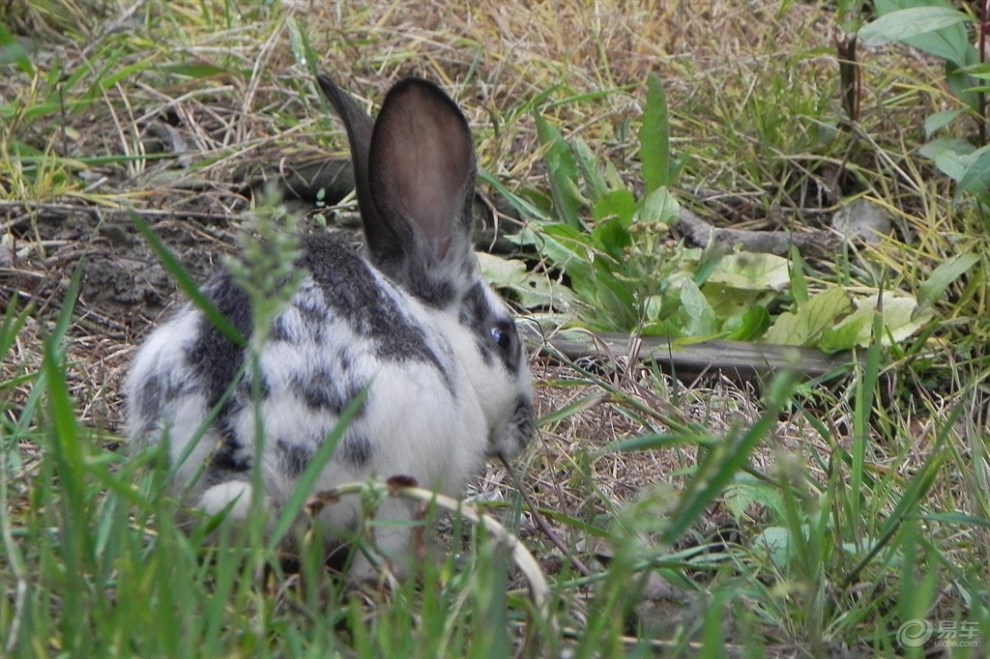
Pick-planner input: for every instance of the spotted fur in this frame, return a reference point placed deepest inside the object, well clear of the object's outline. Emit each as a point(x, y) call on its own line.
point(410, 322)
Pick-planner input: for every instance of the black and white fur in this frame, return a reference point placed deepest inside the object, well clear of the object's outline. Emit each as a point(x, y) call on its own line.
point(411, 320)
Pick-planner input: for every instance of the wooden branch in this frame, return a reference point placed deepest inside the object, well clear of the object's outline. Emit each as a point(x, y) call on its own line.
point(772, 242)
point(738, 360)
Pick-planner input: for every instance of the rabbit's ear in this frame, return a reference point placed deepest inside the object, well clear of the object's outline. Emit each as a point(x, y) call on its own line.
point(421, 172)
point(381, 238)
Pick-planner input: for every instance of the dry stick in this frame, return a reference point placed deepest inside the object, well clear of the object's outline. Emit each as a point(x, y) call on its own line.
point(772, 242)
point(739, 360)
point(543, 525)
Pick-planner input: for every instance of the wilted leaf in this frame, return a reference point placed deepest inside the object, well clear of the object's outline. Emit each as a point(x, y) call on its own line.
point(532, 291)
point(812, 318)
point(901, 317)
point(752, 272)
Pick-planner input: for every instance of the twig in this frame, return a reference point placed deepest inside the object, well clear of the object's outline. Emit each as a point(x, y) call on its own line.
point(770, 242)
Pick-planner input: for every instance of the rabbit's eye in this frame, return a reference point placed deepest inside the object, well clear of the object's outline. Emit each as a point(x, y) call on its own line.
point(501, 337)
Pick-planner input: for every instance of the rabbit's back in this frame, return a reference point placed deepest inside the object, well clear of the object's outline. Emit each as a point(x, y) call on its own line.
point(345, 330)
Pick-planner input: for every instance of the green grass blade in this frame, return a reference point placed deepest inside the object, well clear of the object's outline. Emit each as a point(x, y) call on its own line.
point(722, 462)
point(186, 283)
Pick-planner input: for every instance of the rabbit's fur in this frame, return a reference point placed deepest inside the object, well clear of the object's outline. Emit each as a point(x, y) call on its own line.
point(412, 321)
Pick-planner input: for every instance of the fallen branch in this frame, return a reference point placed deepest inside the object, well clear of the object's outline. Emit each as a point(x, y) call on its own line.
point(738, 360)
point(702, 233)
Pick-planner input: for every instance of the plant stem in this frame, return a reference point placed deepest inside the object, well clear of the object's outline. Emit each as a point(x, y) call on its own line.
point(981, 96)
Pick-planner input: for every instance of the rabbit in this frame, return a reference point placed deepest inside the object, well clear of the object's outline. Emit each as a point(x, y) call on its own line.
point(409, 320)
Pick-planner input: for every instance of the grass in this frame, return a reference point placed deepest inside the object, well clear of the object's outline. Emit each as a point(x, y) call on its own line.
point(707, 518)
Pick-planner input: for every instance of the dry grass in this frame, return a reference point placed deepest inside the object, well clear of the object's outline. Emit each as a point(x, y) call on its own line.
point(491, 58)
point(182, 144)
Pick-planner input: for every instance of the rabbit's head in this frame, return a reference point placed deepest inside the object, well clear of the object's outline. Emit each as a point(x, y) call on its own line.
point(414, 172)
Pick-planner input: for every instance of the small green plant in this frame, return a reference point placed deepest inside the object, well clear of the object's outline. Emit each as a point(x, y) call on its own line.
point(940, 30)
point(627, 274)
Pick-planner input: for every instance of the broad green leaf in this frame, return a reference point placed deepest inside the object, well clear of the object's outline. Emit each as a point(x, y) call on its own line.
point(944, 275)
point(586, 160)
point(615, 301)
point(803, 326)
point(950, 43)
point(659, 206)
point(775, 543)
point(740, 496)
point(653, 307)
point(654, 137)
point(666, 328)
point(931, 149)
point(562, 172)
point(906, 24)
point(699, 319)
point(612, 238)
point(519, 202)
point(754, 323)
point(707, 263)
point(976, 179)
point(13, 52)
point(847, 335)
point(618, 204)
point(940, 120)
point(951, 159)
point(567, 248)
point(731, 305)
point(752, 272)
point(960, 82)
